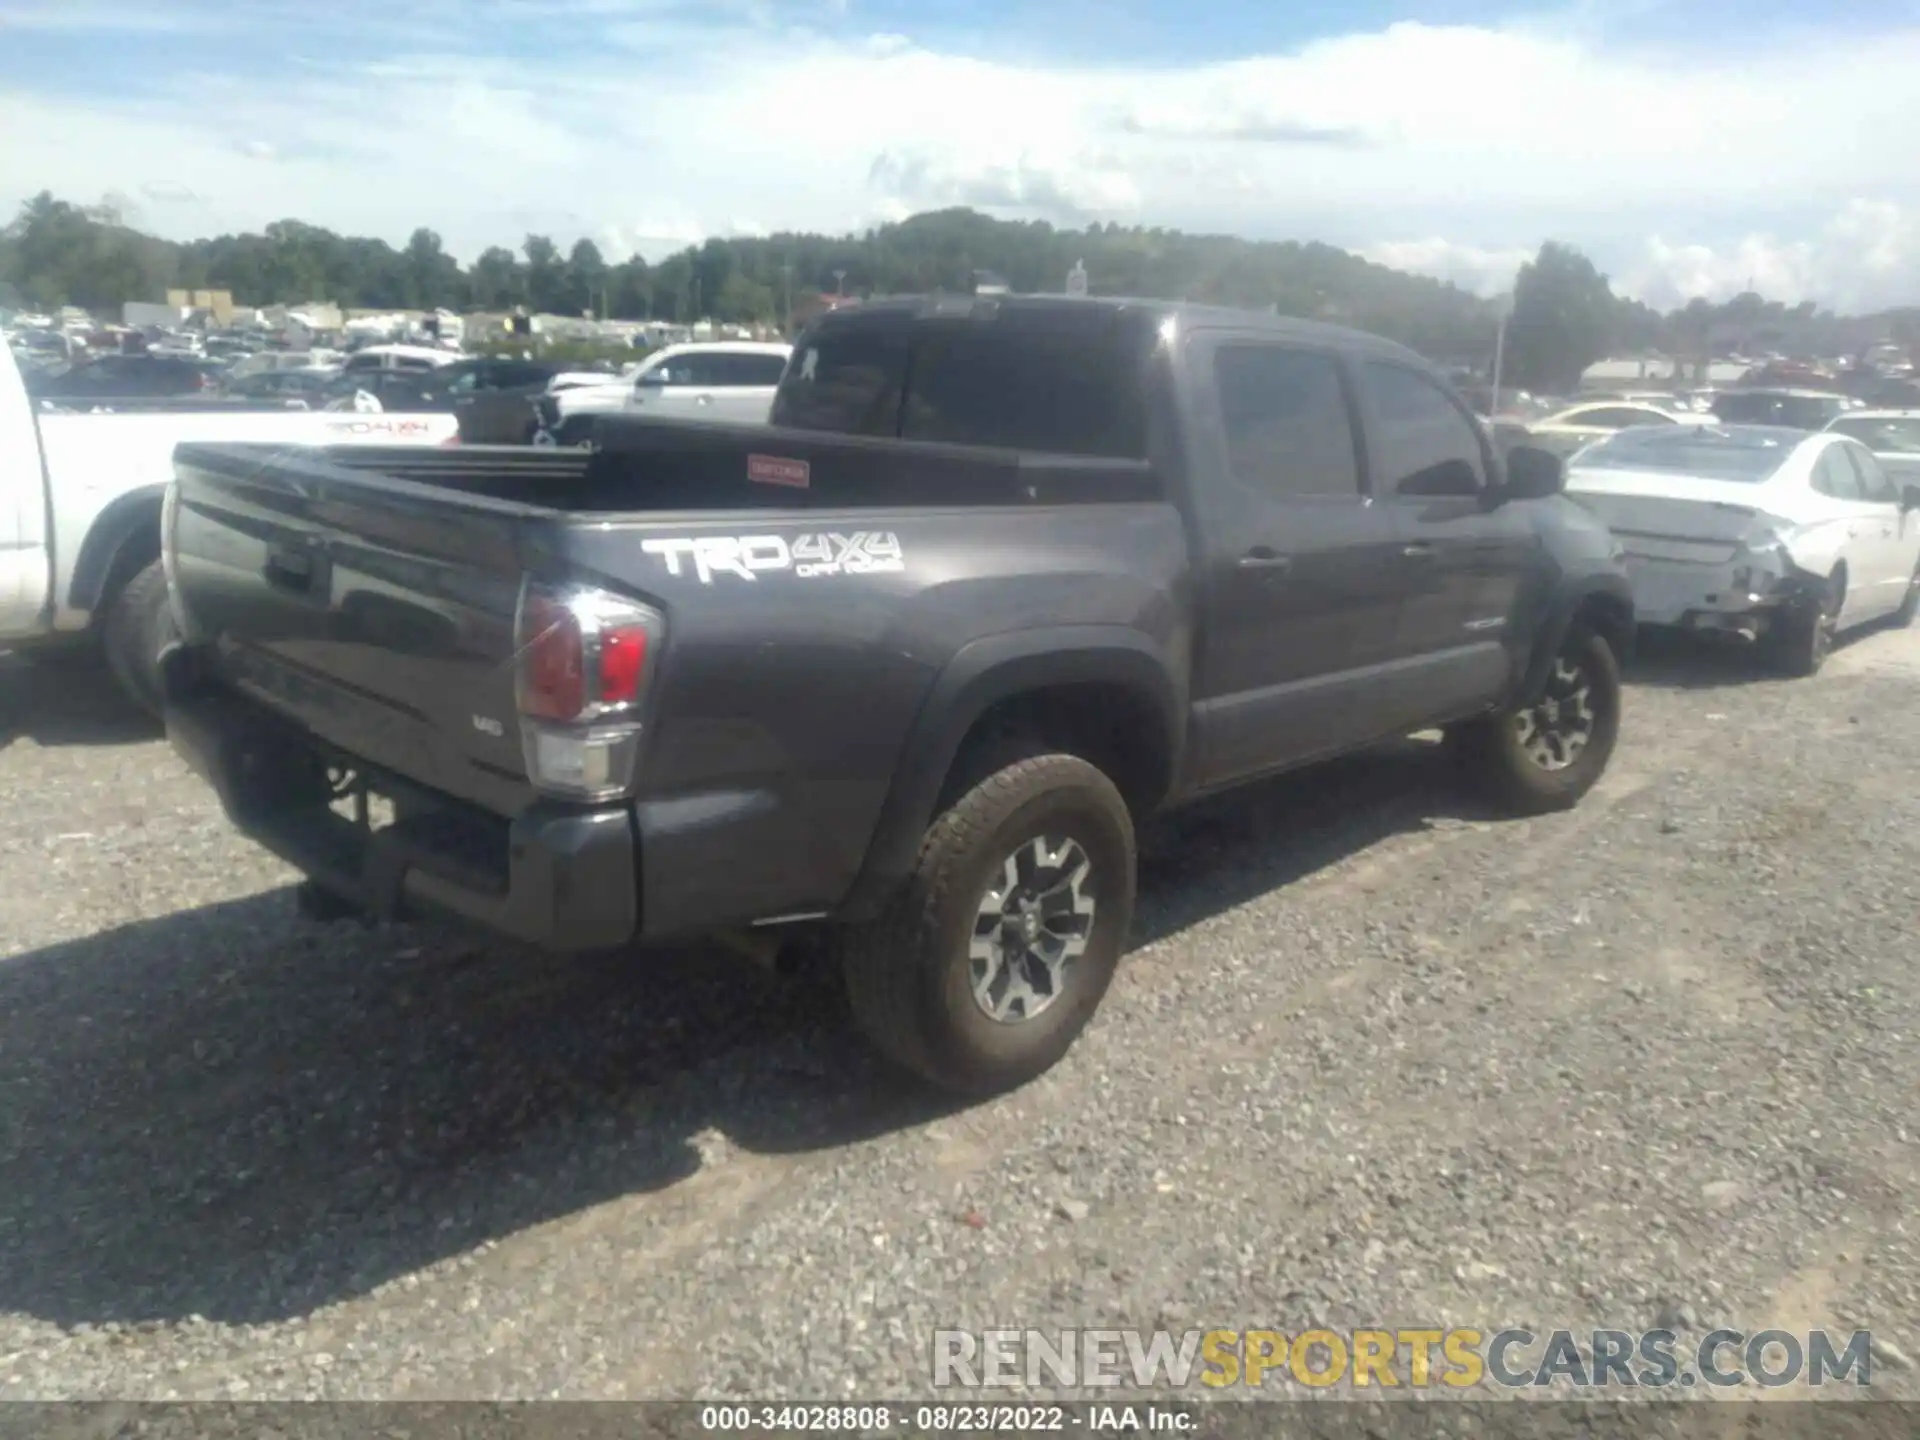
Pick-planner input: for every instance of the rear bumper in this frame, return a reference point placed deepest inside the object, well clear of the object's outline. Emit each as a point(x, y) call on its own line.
point(562, 878)
point(1735, 596)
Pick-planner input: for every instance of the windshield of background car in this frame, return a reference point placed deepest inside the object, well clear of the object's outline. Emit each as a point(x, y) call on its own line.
point(1888, 435)
point(1749, 454)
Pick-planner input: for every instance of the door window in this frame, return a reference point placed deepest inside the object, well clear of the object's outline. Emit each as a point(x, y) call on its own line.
point(750, 371)
point(671, 374)
point(1288, 427)
point(1423, 444)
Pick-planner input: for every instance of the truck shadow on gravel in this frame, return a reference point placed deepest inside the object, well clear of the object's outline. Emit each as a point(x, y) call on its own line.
point(240, 1115)
point(66, 698)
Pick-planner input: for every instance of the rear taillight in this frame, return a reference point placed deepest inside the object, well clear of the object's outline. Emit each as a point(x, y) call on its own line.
point(583, 659)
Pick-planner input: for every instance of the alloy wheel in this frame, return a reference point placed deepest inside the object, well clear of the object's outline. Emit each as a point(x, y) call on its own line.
point(1032, 924)
point(1557, 728)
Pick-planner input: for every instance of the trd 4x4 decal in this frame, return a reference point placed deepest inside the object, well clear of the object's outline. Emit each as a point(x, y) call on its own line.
point(747, 557)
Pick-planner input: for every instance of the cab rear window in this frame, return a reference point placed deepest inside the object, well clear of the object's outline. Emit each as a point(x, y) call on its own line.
point(1062, 381)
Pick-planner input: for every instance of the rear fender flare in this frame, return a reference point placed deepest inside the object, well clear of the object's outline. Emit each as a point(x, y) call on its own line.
point(979, 676)
point(126, 518)
point(1552, 632)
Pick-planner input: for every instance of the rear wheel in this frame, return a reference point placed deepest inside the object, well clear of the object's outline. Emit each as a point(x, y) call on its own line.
point(575, 433)
point(137, 624)
point(1910, 602)
point(1803, 636)
point(1547, 754)
point(998, 948)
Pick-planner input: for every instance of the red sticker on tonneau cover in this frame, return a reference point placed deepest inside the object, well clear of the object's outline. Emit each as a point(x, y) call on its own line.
point(771, 470)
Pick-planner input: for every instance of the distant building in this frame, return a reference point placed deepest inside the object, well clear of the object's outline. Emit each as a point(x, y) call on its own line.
point(217, 303)
point(142, 313)
point(1651, 369)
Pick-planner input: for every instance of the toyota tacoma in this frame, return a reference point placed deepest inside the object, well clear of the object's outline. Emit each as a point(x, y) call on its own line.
point(908, 666)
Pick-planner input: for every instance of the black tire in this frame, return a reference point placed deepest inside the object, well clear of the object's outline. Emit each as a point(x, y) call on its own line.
point(1513, 771)
point(1910, 605)
point(137, 624)
point(908, 973)
point(575, 433)
point(1802, 636)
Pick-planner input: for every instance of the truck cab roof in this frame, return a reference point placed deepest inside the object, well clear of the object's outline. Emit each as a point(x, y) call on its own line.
point(1183, 314)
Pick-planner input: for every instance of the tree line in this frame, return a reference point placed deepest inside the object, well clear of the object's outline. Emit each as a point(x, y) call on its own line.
point(1565, 314)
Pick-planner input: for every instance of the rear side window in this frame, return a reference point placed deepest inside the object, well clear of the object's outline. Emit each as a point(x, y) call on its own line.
point(1835, 476)
point(1874, 482)
point(1289, 432)
point(1424, 443)
point(1062, 384)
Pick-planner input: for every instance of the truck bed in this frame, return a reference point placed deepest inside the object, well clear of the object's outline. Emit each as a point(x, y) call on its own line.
point(365, 599)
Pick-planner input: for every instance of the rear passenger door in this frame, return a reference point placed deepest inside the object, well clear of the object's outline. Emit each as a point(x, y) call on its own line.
point(1301, 568)
point(747, 385)
point(1892, 531)
point(1464, 560)
point(679, 388)
point(1853, 535)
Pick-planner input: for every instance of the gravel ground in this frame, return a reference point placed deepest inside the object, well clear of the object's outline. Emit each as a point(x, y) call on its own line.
point(1378, 1058)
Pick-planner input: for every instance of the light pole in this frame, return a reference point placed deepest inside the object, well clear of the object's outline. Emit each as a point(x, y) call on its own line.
point(1504, 308)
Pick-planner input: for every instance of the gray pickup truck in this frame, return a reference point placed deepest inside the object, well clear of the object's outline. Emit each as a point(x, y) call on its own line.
point(1003, 577)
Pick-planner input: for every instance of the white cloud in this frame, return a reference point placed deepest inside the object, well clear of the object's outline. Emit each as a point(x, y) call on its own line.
point(1866, 255)
point(1474, 268)
point(673, 120)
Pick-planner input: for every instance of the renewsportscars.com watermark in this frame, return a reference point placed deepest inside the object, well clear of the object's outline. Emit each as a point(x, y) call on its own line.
point(1384, 1359)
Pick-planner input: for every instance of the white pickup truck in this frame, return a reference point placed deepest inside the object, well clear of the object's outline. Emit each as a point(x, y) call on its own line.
point(731, 381)
point(80, 499)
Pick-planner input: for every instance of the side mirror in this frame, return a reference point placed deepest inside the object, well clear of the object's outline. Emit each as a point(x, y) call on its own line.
point(1910, 498)
point(1533, 473)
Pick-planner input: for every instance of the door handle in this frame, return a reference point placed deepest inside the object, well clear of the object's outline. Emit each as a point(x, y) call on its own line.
point(1265, 557)
point(1419, 550)
point(703, 399)
point(295, 568)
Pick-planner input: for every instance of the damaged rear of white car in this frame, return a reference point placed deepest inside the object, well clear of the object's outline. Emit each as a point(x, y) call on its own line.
point(1763, 534)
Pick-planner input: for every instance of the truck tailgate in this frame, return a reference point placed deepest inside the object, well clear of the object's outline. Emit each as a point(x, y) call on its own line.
point(378, 613)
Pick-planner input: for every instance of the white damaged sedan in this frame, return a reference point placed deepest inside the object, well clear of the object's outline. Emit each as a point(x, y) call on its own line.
point(1762, 533)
